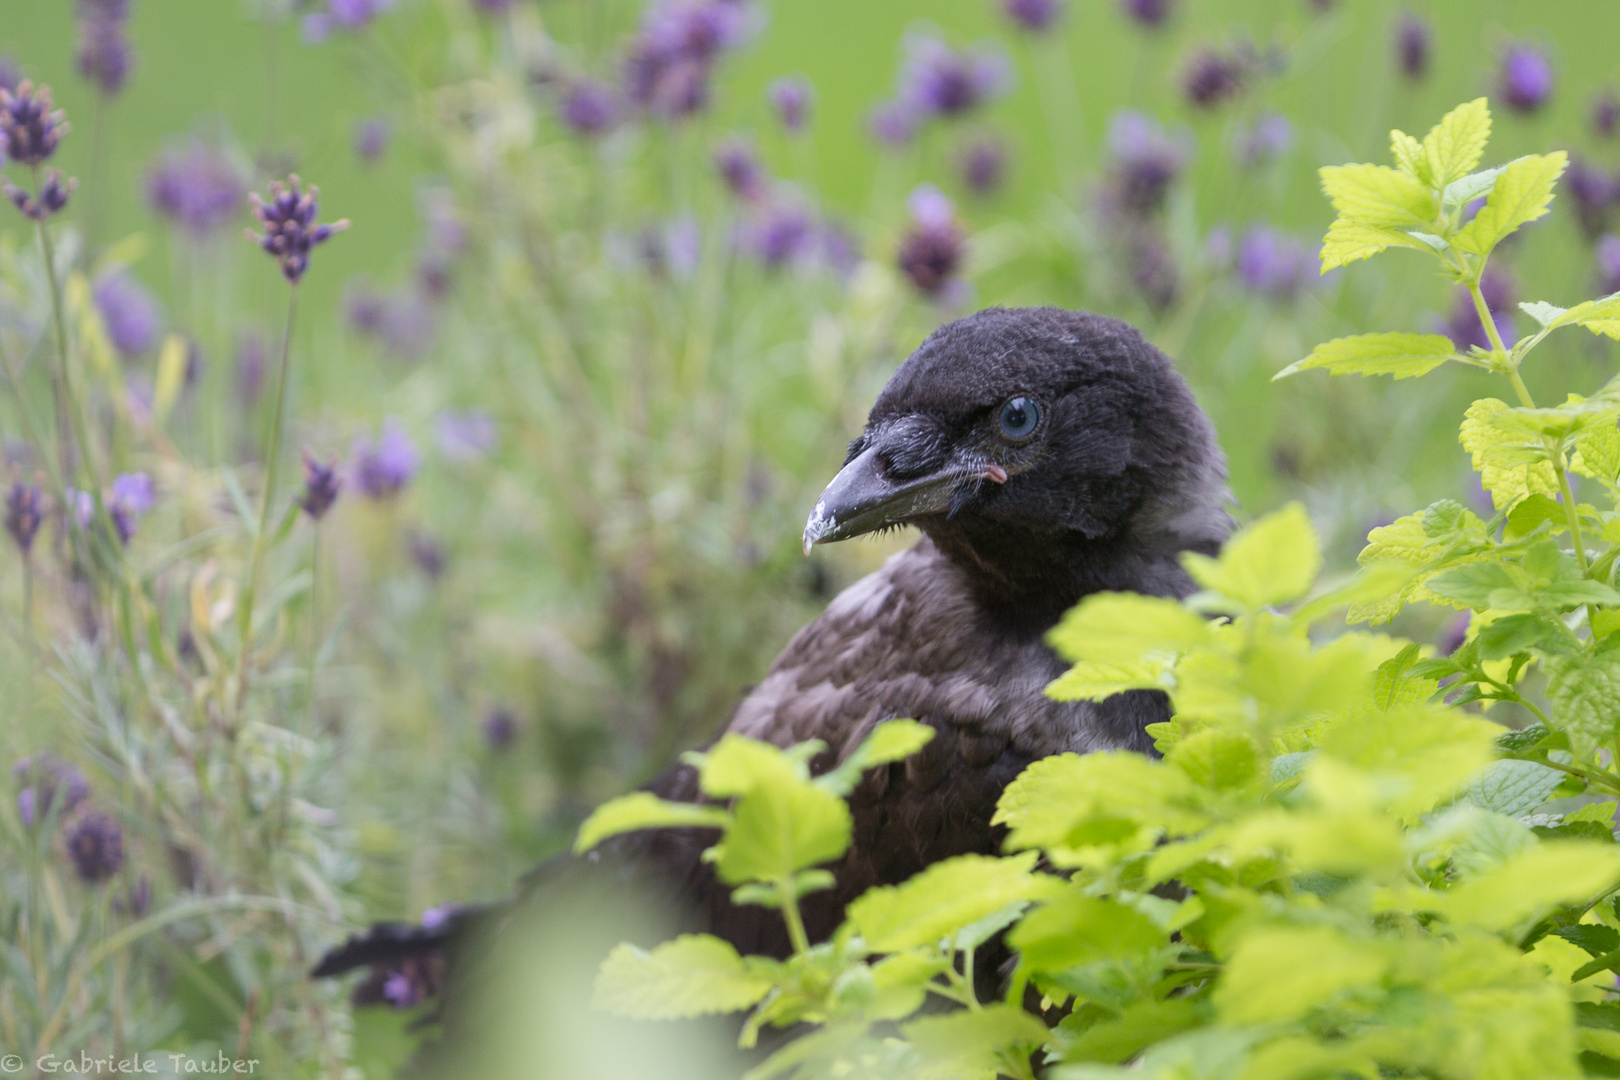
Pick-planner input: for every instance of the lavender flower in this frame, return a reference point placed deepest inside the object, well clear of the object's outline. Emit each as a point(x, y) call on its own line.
point(137, 899)
point(1036, 16)
point(198, 188)
point(669, 250)
point(1526, 78)
point(371, 138)
point(290, 230)
point(351, 16)
point(1274, 265)
point(128, 311)
point(1266, 139)
point(791, 98)
point(893, 123)
point(840, 248)
point(1608, 264)
point(1465, 328)
point(130, 496)
point(1149, 14)
point(466, 436)
point(1146, 162)
point(95, 843)
point(938, 80)
point(42, 777)
point(53, 196)
point(500, 728)
point(493, 7)
point(669, 63)
point(383, 468)
point(1413, 42)
point(1454, 633)
point(589, 108)
point(104, 56)
point(1211, 78)
point(25, 511)
point(10, 74)
point(784, 235)
point(1605, 116)
point(410, 984)
point(1152, 267)
point(930, 253)
point(983, 165)
point(30, 129)
point(1594, 193)
point(739, 167)
point(321, 486)
point(426, 552)
point(402, 320)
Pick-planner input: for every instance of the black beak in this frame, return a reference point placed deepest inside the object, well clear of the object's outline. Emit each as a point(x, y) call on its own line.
point(862, 499)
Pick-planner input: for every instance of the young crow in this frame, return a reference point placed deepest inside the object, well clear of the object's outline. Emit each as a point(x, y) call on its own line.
point(1043, 454)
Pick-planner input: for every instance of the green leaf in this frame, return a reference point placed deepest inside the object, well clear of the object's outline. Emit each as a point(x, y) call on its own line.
point(1583, 692)
point(642, 810)
point(1584, 314)
point(690, 976)
point(779, 829)
point(1223, 760)
point(1513, 634)
point(1452, 148)
point(737, 764)
point(1474, 583)
point(1513, 788)
point(1500, 459)
point(1056, 796)
point(1420, 754)
point(1140, 1025)
point(1271, 561)
point(1087, 681)
point(1378, 196)
point(1121, 628)
point(1279, 974)
point(1541, 311)
point(1466, 190)
point(1531, 882)
point(942, 900)
point(1075, 929)
point(1596, 940)
point(1399, 355)
point(1520, 195)
point(1347, 242)
point(892, 740)
point(972, 1044)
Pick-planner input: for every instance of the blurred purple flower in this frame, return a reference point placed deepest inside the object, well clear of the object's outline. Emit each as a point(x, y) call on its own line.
point(938, 80)
point(130, 497)
point(426, 552)
point(1454, 633)
point(446, 232)
point(930, 253)
point(466, 436)
point(1274, 264)
point(412, 983)
point(137, 899)
point(1146, 162)
point(1608, 264)
point(493, 7)
point(95, 843)
point(983, 165)
point(840, 248)
point(1212, 77)
point(128, 311)
point(500, 728)
point(30, 129)
point(893, 123)
point(791, 99)
point(1267, 138)
point(669, 62)
point(1152, 267)
point(371, 138)
point(10, 73)
point(42, 777)
point(671, 249)
point(437, 915)
point(1464, 327)
point(739, 167)
point(290, 228)
point(589, 108)
point(1594, 192)
point(1146, 13)
point(1526, 78)
point(347, 15)
point(383, 468)
point(1605, 116)
point(104, 56)
point(250, 356)
point(1414, 39)
point(25, 511)
point(784, 235)
point(322, 484)
point(198, 189)
point(53, 196)
point(1035, 16)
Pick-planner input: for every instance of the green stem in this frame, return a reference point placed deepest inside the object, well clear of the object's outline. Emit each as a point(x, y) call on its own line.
point(790, 914)
point(271, 453)
point(314, 620)
point(68, 400)
point(1571, 515)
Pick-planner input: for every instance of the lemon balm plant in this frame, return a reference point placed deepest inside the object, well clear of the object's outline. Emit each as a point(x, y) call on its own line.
point(1338, 866)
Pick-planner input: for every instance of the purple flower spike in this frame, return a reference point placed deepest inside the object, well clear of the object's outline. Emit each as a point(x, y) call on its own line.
point(500, 731)
point(130, 496)
point(931, 251)
point(1526, 78)
point(53, 196)
point(785, 235)
point(1147, 161)
point(30, 129)
point(25, 511)
point(893, 123)
point(1274, 265)
point(1594, 192)
point(941, 81)
point(383, 468)
point(1036, 16)
point(983, 165)
point(740, 168)
point(1606, 114)
point(1212, 78)
point(1267, 139)
point(466, 436)
point(351, 16)
point(43, 777)
point(669, 63)
point(371, 138)
point(290, 229)
point(1414, 40)
point(128, 311)
point(590, 108)
point(791, 98)
point(1608, 263)
point(321, 486)
point(199, 188)
point(95, 843)
point(10, 74)
point(104, 56)
point(1149, 14)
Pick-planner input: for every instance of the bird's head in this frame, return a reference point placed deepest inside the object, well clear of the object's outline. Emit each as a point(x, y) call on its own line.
point(1046, 452)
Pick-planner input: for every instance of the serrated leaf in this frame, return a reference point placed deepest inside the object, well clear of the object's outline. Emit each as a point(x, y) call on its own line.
point(780, 828)
point(1121, 628)
point(1400, 356)
point(1378, 196)
point(972, 1044)
point(1087, 681)
point(1273, 560)
point(1583, 692)
point(1406, 151)
point(1213, 758)
point(1604, 307)
point(1075, 929)
point(1595, 940)
point(892, 740)
point(643, 810)
point(1452, 148)
point(943, 899)
point(690, 976)
point(1347, 242)
point(1057, 795)
point(1513, 788)
point(1278, 974)
point(1140, 1025)
point(1541, 311)
point(1499, 457)
point(1466, 190)
point(1531, 882)
point(1519, 196)
point(737, 764)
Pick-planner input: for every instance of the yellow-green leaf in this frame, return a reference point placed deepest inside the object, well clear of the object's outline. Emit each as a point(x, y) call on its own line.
point(1379, 196)
point(1121, 628)
point(1279, 974)
point(1088, 681)
point(1399, 355)
point(780, 828)
point(1521, 195)
point(1452, 148)
point(643, 810)
point(1497, 456)
point(1347, 242)
point(1271, 561)
point(943, 899)
point(1532, 881)
point(691, 976)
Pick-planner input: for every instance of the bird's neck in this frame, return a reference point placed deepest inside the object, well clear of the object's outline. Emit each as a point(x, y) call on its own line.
point(1028, 579)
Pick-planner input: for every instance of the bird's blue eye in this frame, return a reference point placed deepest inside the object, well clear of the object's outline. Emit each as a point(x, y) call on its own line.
point(1019, 418)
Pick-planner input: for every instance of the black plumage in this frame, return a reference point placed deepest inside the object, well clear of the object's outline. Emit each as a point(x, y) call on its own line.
point(1044, 455)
